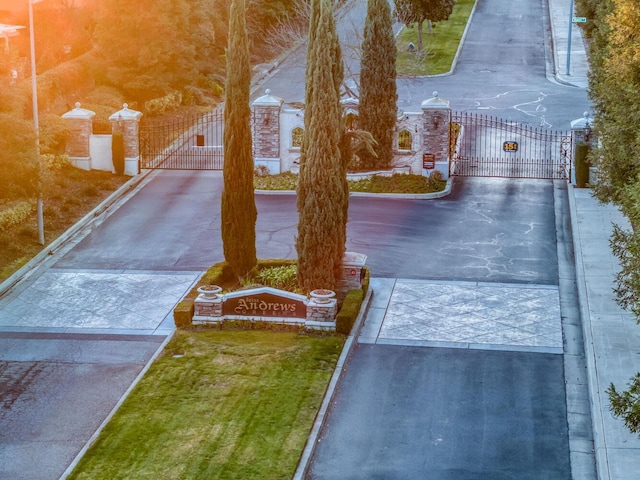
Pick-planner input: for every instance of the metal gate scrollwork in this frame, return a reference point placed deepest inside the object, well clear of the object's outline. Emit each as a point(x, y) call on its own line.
point(485, 146)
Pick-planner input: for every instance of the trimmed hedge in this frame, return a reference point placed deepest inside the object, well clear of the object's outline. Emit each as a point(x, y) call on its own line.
point(349, 311)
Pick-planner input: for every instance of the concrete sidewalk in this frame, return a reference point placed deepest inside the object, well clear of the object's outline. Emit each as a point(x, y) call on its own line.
point(611, 335)
point(569, 55)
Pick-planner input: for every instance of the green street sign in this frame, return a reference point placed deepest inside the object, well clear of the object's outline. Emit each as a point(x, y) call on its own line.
point(579, 19)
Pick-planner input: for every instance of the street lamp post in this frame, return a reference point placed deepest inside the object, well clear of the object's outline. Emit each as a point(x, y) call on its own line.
point(36, 125)
point(568, 70)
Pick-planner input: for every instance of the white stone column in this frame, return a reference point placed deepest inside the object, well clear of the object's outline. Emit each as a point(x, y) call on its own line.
point(266, 131)
point(79, 121)
point(127, 122)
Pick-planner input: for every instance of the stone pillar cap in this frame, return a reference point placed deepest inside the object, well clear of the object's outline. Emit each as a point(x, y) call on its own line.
point(78, 112)
point(354, 259)
point(125, 114)
point(581, 123)
point(435, 102)
point(268, 100)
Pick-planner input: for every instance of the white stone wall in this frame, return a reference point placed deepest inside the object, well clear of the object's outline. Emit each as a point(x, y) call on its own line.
point(405, 161)
point(100, 151)
point(290, 118)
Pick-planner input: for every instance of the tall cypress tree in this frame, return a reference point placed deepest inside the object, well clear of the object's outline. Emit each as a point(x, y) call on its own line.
point(239, 212)
point(378, 94)
point(322, 196)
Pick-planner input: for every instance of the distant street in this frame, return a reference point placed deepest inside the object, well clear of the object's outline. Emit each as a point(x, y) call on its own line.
point(505, 68)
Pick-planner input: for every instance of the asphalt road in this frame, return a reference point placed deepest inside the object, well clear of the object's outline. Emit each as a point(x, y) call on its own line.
point(505, 68)
point(56, 390)
point(406, 413)
point(173, 224)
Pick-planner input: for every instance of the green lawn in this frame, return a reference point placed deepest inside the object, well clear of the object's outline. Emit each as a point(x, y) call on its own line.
point(439, 49)
point(218, 405)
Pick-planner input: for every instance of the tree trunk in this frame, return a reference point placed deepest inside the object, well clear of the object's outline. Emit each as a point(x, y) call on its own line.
point(420, 37)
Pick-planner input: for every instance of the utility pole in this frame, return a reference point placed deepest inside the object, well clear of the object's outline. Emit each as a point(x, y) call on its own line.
point(569, 39)
point(36, 125)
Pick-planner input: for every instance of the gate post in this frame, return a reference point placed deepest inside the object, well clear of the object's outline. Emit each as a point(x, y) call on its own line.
point(436, 115)
point(266, 131)
point(127, 122)
point(581, 133)
point(80, 127)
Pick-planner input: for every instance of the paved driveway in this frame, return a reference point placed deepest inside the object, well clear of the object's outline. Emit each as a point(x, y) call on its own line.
point(56, 390)
point(446, 414)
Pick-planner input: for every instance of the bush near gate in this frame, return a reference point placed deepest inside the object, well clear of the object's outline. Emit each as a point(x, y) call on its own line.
point(349, 312)
point(397, 183)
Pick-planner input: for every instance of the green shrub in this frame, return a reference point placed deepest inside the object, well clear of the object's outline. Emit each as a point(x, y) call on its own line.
point(15, 215)
point(183, 313)
point(90, 191)
point(193, 96)
point(162, 105)
point(366, 280)
point(349, 311)
point(284, 277)
point(55, 163)
point(435, 182)
point(106, 96)
point(60, 82)
point(397, 183)
point(282, 181)
point(218, 274)
point(53, 134)
point(214, 84)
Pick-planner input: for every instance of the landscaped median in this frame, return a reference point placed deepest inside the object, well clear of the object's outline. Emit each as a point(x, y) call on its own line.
point(440, 47)
point(229, 401)
point(218, 405)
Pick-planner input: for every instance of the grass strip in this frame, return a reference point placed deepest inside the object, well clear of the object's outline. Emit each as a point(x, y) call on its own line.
point(218, 405)
point(439, 48)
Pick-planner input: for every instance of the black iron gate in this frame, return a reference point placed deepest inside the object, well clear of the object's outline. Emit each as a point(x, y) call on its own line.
point(182, 143)
point(484, 146)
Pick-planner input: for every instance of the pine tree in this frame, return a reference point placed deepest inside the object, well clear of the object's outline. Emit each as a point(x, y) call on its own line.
point(322, 196)
point(239, 214)
point(417, 11)
point(378, 94)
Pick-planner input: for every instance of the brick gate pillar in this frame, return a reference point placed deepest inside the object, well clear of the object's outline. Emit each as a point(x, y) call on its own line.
point(127, 122)
point(436, 120)
point(266, 131)
point(79, 122)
